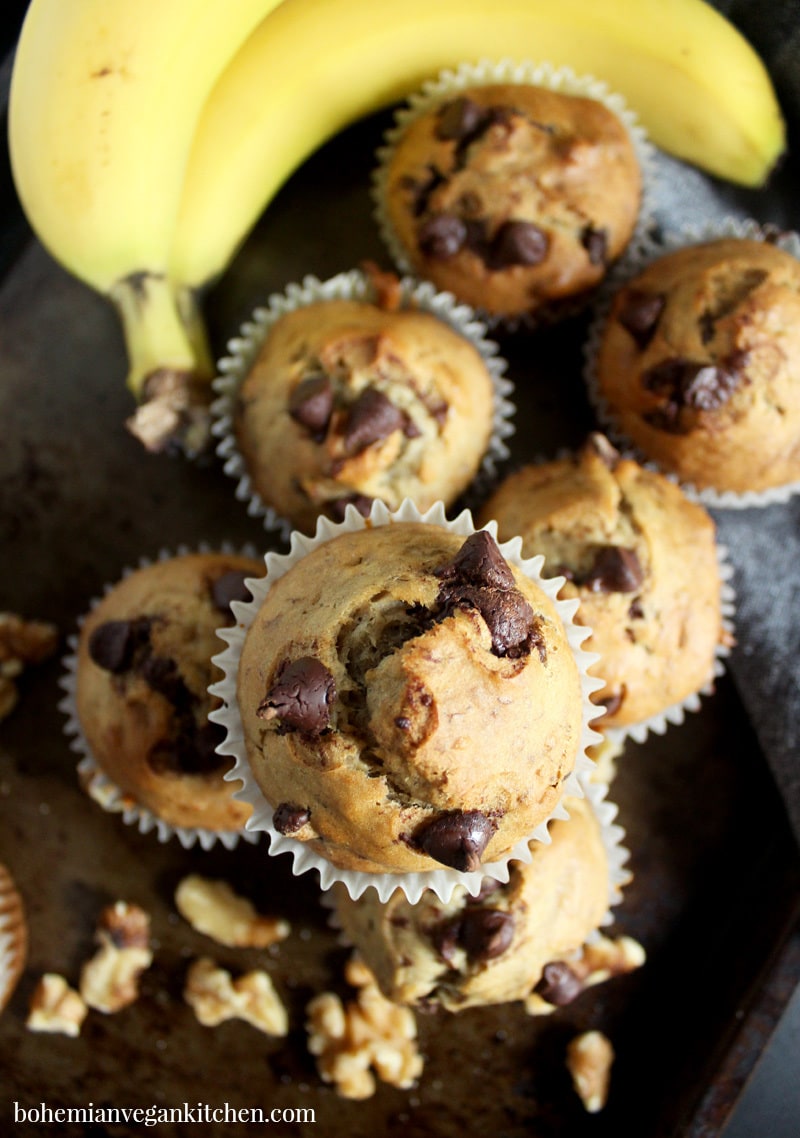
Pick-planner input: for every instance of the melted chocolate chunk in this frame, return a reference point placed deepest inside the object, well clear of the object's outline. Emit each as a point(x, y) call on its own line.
point(559, 985)
point(478, 562)
point(459, 119)
point(300, 697)
point(207, 739)
point(457, 839)
point(615, 570)
point(639, 314)
point(695, 384)
point(311, 405)
point(486, 933)
point(163, 676)
point(371, 419)
point(338, 506)
point(479, 577)
point(289, 818)
point(610, 703)
point(445, 938)
point(229, 587)
point(191, 751)
point(595, 242)
point(517, 243)
point(441, 236)
point(113, 645)
point(422, 191)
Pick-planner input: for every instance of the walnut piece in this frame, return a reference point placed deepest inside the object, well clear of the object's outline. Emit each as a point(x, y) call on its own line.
point(110, 980)
point(215, 998)
point(368, 1033)
point(55, 1007)
point(212, 908)
point(22, 642)
point(589, 1059)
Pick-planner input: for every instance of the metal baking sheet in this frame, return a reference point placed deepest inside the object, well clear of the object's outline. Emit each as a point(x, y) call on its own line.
point(717, 875)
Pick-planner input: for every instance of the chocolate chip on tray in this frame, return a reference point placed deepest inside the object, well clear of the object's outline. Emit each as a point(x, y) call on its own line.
point(559, 985)
point(229, 587)
point(300, 697)
point(457, 838)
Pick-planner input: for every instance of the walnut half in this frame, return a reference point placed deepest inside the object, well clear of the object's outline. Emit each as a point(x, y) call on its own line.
point(215, 997)
point(55, 1007)
point(367, 1034)
point(110, 980)
point(212, 908)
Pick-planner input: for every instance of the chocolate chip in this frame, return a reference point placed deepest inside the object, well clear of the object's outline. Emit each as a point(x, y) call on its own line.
point(229, 587)
point(371, 418)
point(337, 507)
point(445, 938)
point(517, 243)
point(311, 404)
point(112, 645)
point(635, 611)
point(486, 933)
point(457, 839)
point(709, 387)
point(441, 236)
point(614, 570)
point(595, 242)
point(611, 702)
point(288, 818)
point(191, 752)
point(559, 985)
point(403, 722)
point(162, 675)
point(698, 384)
point(639, 314)
point(478, 562)
point(207, 739)
point(458, 119)
point(300, 697)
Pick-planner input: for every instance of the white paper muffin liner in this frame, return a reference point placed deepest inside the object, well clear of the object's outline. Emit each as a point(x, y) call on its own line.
point(485, 73)
point(640, 254)
point(13, 936)
point(441, 881)
point(352, 285)
point(617, 855)
point(102, 789)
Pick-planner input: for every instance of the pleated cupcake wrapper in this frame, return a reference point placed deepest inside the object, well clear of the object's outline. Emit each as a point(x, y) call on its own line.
point(13, 936)
point(617, 855)
point(562, 80)
point(641, 253)
point(351, 285)
point(441, 881)
point(102, 789)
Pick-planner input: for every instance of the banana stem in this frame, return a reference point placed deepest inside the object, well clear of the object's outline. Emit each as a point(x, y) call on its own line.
point(170, 363)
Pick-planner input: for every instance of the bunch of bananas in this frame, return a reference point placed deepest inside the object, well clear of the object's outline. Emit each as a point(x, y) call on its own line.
point(147, 136)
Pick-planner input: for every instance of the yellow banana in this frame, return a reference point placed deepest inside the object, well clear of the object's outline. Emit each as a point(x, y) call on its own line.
point(104, 101)
point(314, 66)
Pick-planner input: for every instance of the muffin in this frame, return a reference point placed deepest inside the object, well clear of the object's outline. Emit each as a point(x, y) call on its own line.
point(142, 673)
point(513, 197)
point(408, 700)
point(348, 400)
point(13, 936)
point(698, 361)
point(493, 948)
point(641, 558)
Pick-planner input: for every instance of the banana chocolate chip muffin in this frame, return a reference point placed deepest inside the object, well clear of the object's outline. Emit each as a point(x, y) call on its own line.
point(511, 196)
point(498, 946)
point(409, 700)
point(142, 674)
point(642, 559)
point(698, 364)
point(348, 401)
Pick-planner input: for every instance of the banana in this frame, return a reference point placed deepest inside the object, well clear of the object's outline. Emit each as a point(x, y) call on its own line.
point(314, 66)
point(104, 100)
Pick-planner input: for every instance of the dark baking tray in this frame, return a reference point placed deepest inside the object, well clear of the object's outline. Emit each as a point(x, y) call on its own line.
point(717, 874)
